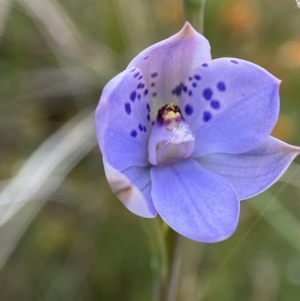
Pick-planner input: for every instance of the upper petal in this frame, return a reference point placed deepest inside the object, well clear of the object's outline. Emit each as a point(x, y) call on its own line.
point(123, 120)
point(231, 105)
point(167, 64)
point(252, 172)
point(196, 203)
point(133, 188)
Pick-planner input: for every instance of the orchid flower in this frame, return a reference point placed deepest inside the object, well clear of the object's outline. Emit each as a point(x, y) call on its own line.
point(188, 137)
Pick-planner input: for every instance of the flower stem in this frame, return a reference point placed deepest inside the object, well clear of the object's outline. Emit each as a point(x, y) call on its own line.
point(173, 277)
point(158, 250)
point(191, 10)
point(202, 16)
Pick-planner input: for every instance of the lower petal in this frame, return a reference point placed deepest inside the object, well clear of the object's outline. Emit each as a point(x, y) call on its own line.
point(252, 172)
point(196, 203)
point(133, 188)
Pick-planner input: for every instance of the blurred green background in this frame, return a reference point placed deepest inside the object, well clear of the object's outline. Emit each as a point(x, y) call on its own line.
point(64, 235)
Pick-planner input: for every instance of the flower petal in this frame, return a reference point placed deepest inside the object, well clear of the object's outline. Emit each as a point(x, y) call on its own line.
point(196, 203)
point(231, 105)
point(168, 63)
point(123, 120)
point(133, 188)
point(252, 172)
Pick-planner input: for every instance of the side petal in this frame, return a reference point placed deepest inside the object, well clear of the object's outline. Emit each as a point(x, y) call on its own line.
point(168, 63)
point(231, 105)
point(196, 203)
point(123, 120)
point(133, 188)
point(252, 172)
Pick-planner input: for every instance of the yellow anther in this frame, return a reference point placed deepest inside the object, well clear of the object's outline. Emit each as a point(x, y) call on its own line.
point(170, 106)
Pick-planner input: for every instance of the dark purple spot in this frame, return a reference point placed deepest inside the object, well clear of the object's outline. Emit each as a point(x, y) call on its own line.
point(154, 94)
point(148, 107)
point(146, 92)
point(146, 57)
point(215, 104)
point(140, 127)
point(148, 117)
point(190, 78)
point(154, 74)
point(207, 94)
point(133, 133)
point(133, 96)
point(221, 86)
point(144, 128)
point(153, 123)
point(205, 65)
point(127, 108)
point(197, 77)
point(206, 116)
point(132, 69)
point(140, 77)
point(140, 86)
point(189, 110)
point(137, 74)
point(233, 61)
point(139, 96)
point(177, 90)
point(194, 85)
point(190, 93)
point(184, 88)
point(153, 84)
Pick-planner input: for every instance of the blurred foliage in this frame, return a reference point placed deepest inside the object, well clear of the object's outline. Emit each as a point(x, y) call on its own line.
point(55, 58)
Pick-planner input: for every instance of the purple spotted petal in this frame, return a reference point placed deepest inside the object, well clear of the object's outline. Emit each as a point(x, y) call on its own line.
point(123, 121)
point(133, 188)
point(252, 172)
point(232, 108)
point(196, 203)
point(167, 64)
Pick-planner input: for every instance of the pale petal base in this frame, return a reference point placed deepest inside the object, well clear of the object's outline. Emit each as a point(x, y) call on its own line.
point(131, 196)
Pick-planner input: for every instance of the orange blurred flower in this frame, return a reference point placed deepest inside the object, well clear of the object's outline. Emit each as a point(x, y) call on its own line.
point(241, 17)
point(289, 54)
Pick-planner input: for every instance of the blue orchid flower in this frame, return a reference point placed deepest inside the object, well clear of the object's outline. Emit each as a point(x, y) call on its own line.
point(188, 137)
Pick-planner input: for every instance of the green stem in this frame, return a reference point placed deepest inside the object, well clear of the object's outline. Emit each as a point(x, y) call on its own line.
point(173, 278)
point(191, 13)
point(202, 16)
point(158, 249)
